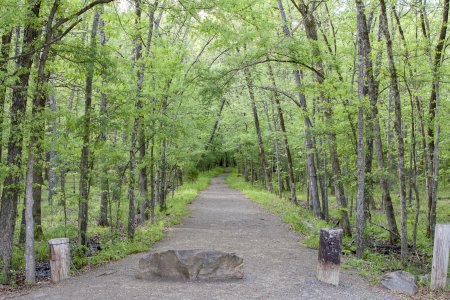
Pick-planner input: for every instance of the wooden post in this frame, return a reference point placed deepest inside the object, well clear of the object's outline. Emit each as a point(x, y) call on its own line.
point(440, 256)
point(59, 258)
point(330, 249)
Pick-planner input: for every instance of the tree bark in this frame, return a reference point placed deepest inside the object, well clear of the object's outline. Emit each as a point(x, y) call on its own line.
point(162, 192)
point(398, 130)
point(104, 181)
point(277, 152)
point(360, 163)
point(372, 93)
point(262, 153)
point(152, 182)
point(84, 161)
point(30, 264)
point(11, 185)
point(52, 155)
point(311, 33)
point(4, 53)
point(432, 111)
point(309, 143)
point(287, 150)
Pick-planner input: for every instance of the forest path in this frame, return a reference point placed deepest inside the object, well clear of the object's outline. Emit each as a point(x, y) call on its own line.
point(276, 266)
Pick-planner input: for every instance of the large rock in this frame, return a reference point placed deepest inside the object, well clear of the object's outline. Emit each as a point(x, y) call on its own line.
point(400, 281)
point(191, 265)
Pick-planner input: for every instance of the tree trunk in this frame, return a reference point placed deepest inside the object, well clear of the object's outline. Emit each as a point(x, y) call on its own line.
point(213, 131)
point(11, 185)
point(131, 183)
point(84, 161)
point(360, 163)
point(311, 33)
point(287, 150)
point(432, 112)
point(162, 192)
point(398, 130)
point(4, 53)
point(262, 153)
point(52, 161)
point(30, 269)
point(309, 144)
point(372, 93)
point(104, 181)
point(152, 182)
point(277, 153)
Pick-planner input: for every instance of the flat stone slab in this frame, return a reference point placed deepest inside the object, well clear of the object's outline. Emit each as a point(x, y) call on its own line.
point(191, 265)
point(400, 281)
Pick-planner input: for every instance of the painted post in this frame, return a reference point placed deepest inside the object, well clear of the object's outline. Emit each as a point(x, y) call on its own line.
point(59, 258)
point(330, 251)
point(440, 256)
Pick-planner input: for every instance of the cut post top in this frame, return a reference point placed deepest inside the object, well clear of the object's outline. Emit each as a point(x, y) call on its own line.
point(58, 241)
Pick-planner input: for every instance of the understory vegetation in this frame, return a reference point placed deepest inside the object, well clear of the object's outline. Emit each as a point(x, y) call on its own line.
point(106, 107)
point(378, 258)
point(107, 243)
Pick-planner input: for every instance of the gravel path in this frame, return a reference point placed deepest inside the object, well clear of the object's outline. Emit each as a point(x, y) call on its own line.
point(276, 266)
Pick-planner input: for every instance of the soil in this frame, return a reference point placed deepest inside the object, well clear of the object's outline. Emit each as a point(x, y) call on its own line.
point(276, 265)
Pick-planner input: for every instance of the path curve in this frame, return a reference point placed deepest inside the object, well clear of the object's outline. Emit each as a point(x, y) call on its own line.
point(276, 266)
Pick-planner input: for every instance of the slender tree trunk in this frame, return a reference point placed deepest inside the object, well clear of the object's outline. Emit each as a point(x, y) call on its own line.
point(414, 176)
point(11, 185)
point(30, 269)
point(287, 150)
point(84, 161)
point(137, 124)
point(131, 183)
point(360, 163)
point(398, 130)
point(372, 93)
point(52, 161)
point(152, 182)
point(262, 153)
point(309, 143)
point(162, 193)
point(277, 153)
point(311, 33)
point(4, 54)
point(104, 181)
point(213, 131)
point(432, 112)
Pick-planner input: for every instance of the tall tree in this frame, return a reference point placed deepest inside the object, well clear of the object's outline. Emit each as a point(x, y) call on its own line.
point(433, 129)
point(11, 185)
point(287, 149)
point(309, 143)
point(4, 53)
point(372, 92)
point(85, 157)
point(398, 130)
point(311, 33)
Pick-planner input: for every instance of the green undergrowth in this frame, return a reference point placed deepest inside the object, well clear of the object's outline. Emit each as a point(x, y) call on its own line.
point(372, 266)
point(113, 242)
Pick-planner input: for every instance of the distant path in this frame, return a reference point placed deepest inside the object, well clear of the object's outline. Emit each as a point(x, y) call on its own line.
point(276, 265)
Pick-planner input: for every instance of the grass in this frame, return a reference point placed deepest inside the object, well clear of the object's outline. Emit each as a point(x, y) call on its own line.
point(115, 245)
point(373, 265)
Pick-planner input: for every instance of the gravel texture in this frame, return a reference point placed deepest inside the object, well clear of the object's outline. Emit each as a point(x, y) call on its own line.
point(276, 266)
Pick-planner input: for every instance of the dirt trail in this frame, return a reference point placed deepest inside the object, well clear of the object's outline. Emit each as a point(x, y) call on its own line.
point(276, 265)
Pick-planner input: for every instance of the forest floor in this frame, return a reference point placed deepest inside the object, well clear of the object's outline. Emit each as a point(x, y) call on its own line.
point(276, 266)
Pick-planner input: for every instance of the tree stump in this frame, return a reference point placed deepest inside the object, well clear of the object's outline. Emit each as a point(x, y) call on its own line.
point(440, 256)
point(330, 249)
point(59, 258)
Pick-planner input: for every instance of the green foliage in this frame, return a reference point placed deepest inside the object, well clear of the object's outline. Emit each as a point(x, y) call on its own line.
point(116, 247)
point(373, 264)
